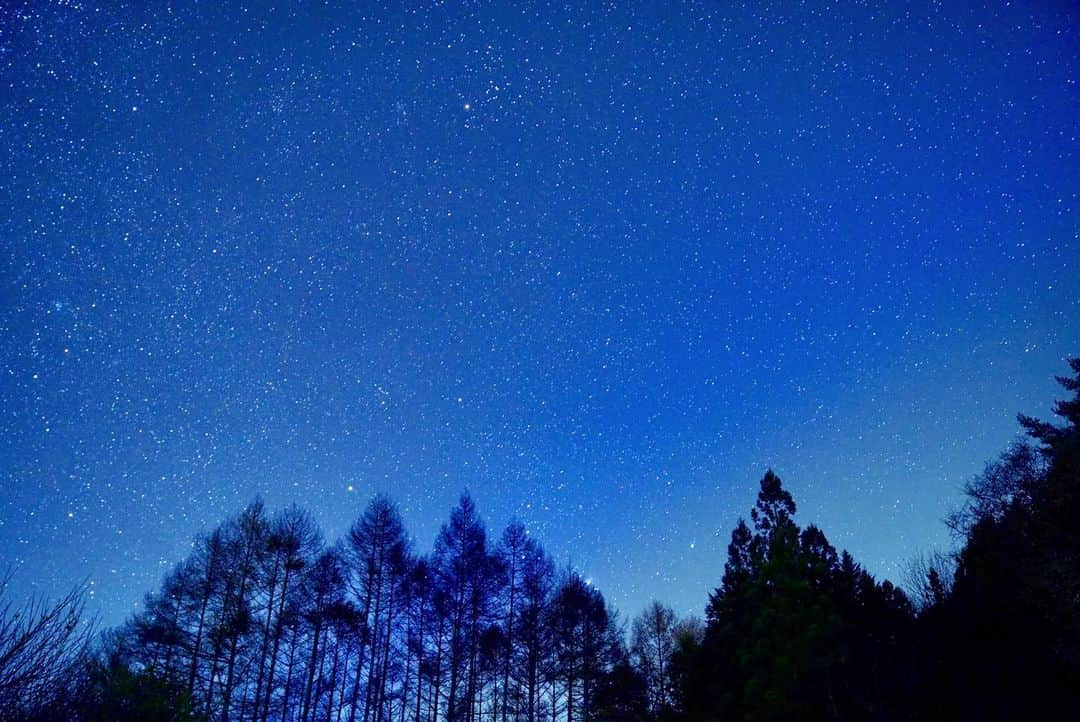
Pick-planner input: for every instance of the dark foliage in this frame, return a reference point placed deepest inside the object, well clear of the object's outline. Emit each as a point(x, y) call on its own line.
point(1004, 643)
point(118, 693)
point(796, 631)
point(264, 622)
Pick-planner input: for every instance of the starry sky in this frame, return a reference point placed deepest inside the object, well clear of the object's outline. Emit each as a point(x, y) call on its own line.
point(600, 266)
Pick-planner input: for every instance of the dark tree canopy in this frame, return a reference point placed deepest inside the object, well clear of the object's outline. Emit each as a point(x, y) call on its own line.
point(796, 631)
point(1004, 642)
point(266, 622)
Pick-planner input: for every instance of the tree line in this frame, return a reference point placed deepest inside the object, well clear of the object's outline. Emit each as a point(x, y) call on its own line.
point(267, 622)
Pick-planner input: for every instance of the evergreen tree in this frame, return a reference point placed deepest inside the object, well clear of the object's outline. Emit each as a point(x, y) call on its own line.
point(1004, 643)
point(792, 627)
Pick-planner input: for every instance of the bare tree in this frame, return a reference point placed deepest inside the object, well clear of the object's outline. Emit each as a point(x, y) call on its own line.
point(1006, 482)
point(41, 642)
point(652, 645)
point(258, 626)
point(928, 578)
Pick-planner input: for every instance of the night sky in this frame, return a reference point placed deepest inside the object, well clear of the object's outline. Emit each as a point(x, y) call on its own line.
point(601, 267)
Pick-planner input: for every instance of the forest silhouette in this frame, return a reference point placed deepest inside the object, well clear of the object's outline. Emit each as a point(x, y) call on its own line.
point(266, 621)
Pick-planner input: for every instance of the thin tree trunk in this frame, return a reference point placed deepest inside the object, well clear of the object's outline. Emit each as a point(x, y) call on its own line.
point(267, 627)
point(277, 641)
point(419, 658)
point(197, 648)
point(310, 683)
point(288, 675)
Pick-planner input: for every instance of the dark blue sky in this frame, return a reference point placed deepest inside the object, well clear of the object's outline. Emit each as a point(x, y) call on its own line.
point(599, 266)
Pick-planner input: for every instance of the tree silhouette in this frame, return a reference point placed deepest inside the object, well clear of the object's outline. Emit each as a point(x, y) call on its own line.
point(262, 622)
point(795, 631)
point(41, 643)
point(652, 646)
point(1004, 641)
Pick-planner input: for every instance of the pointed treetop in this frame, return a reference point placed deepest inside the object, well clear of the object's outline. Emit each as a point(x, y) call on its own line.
point(1057, 438)
point(774, 504)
